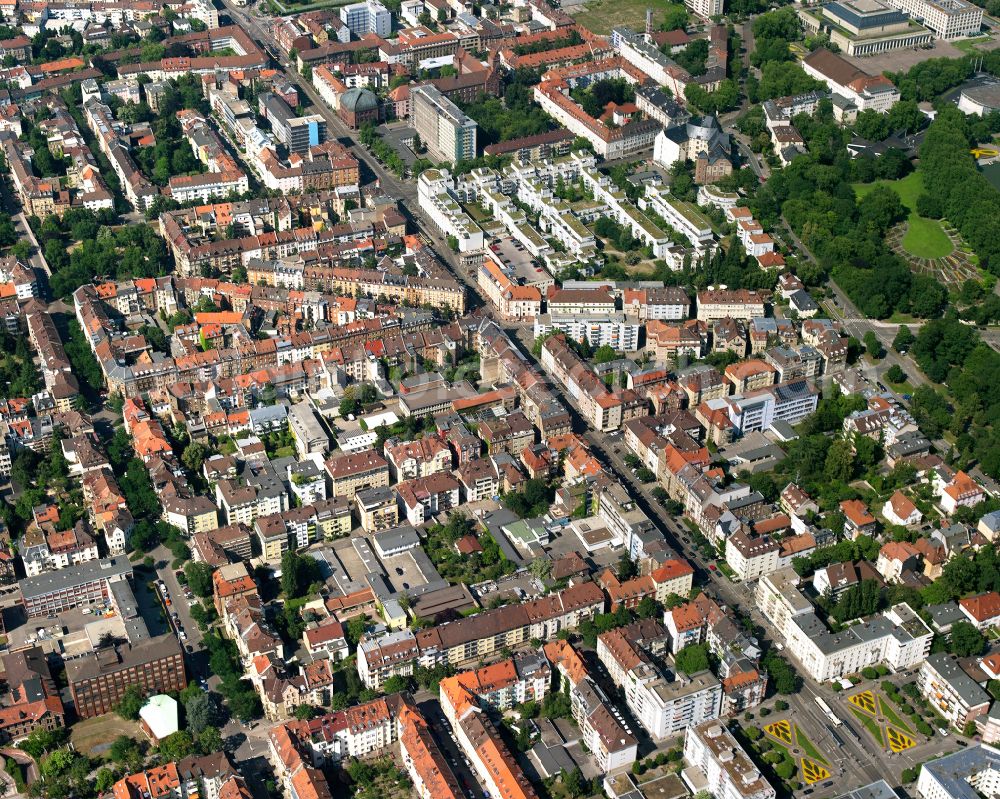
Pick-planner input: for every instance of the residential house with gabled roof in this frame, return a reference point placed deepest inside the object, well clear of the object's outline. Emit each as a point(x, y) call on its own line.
point(899, 509)
point(982, 610)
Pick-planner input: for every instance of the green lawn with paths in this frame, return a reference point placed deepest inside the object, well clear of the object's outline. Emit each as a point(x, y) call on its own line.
point(893, 717)
point(870, 725)
point(808, 747)
point(925, 238)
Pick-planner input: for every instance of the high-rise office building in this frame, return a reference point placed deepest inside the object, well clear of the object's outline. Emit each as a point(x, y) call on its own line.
point(367, 17)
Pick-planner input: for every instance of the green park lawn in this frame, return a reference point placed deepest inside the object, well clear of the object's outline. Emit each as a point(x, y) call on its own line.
point(892, 716)
point(870, 725)
point(601, 16)
point(808, 746)
point(925, 238)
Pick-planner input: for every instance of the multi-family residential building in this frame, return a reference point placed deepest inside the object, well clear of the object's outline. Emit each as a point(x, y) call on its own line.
point(663, 707)
point(898, 637)
point(377, 509)
point(445, 130)
point(604, 731)
point(354, 471)
point(477, 637)
point(420, 458)
point(953, 693)
point(369, 16)
point(728, 770)
point(424, 497)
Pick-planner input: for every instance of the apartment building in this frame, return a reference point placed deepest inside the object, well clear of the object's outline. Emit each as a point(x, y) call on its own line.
point(424, 497)
point(617, 330)
point(445, 130)
point(477, 637)
point(491, 759)
point(354, 471)
point(88, 583)
point(604, 731)
point(437, 197)
point(706, 9)
point(663, 707)
point(751, 556)
point(605, 409)
point(420, 458)
point(377, 509)
point(728, 770)
point(195, 514)
point(715, 304)
point(955, 695)
point(964, 774)
point(298, 133)
point(369, 16)
point(499, 687)
point(98, 680)
point(680, 215)
point(898, 637)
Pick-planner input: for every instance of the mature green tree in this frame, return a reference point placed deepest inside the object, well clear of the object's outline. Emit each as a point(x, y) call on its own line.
point(131, 702)
point(965, 640)
point(692, 659)
point(199, 577)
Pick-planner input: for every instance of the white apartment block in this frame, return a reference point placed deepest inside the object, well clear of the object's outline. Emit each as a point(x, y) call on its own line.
point(751, 557)
point(954, 694)
point(614, 330)
point(948, 19)
point(663, 707)
point(367, 17)
point(684, 217)
point(897, 638)
point(706, 9)
point(447, 132)
point(627, 215)
point(435, 193)
point(728, 770)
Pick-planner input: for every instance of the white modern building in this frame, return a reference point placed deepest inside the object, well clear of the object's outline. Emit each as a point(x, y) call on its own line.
point(617, 331)
point(664, 707)
point(435, 194)
point(684, 217)
point(367, 17)
point(969, 773)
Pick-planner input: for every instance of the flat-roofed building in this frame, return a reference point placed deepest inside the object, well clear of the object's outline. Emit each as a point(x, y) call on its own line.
point(865, 27)
point(97, 681)
point(728, 770)
point(445, 130)
point(86, 584)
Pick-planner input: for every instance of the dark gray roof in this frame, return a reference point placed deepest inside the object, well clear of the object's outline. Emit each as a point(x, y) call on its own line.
point(109, 568)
